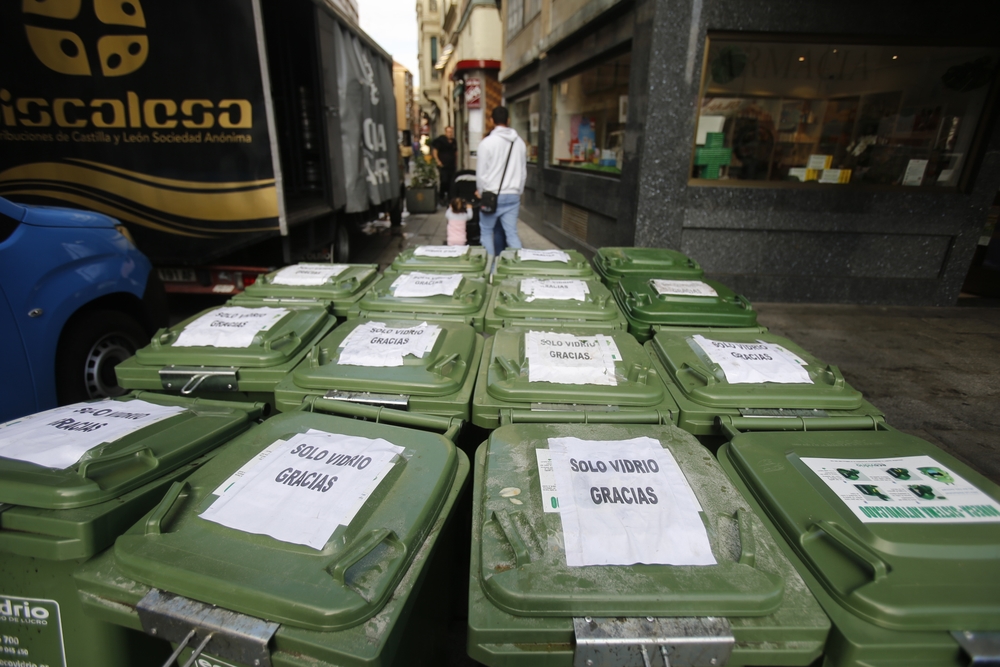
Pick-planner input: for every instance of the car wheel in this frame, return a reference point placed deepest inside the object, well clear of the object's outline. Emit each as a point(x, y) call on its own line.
point(89, 349)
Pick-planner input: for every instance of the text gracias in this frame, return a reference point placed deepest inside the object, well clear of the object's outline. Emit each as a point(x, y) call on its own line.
point(615, 495)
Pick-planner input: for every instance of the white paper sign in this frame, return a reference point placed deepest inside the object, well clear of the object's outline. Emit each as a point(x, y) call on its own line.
point(57, 438)
point(426, 284)
point(232, 326)
point(375, 344)
point(909, 489)
point(306, 487)
point(568, 359)
point(683, 287)
point(914, 174)
point(527, 255)
point(560, 290)
point(754, 363)
point(626, 502)
point(441, 251)
point(307, 275)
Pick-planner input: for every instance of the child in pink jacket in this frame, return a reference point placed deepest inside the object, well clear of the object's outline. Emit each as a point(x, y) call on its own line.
point(457, 215)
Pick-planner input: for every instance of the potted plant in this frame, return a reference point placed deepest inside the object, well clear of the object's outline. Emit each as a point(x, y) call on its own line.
point(421, 196)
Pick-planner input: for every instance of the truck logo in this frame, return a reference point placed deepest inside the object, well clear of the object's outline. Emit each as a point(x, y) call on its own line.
point(64, 51)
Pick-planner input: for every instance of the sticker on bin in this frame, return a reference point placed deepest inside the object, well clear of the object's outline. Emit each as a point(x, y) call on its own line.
point(58, 438)
point(526, 255)
point(909, 489)
point(568, 359)
point(547, 477)
point(626, 502)
point(304, 487)
point(441, 251)
point(426, 284)
point(560, 290)
point(682, 287)
point(232, 326)
point(375, 344)
point(308, 275)
point(754, 363)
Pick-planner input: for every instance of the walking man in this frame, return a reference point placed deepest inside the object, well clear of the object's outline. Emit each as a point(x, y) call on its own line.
point(445, 155)
point(501, 167)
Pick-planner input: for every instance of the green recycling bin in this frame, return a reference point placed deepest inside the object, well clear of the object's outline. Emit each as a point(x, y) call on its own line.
point(654, 304)
point(337, 287)
point(907, 577)
point(573, 564)
point(750, 374)
point(540, 376)
point(430, 297)
point(552, 303)
point(406, 365)
point(73, 479)
point(542, 263)
point(228, 353)
point(308, 540)
point(468, 260)
point(613, 264)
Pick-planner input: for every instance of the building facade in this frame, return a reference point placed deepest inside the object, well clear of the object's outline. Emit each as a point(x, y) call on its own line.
point(469, 66)
point(806, 152)
point(432, 106)
point(402, 89)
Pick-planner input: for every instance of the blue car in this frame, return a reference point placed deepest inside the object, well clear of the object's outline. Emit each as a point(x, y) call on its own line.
point(76, 298)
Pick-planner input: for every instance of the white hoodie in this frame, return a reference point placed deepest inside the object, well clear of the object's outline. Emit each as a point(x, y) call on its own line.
point(490, 158)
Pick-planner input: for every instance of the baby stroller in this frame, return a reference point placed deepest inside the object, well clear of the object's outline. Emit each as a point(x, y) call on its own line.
point(464, 186)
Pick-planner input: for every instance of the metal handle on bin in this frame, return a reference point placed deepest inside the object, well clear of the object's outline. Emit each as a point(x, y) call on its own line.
point(450, 426)
point(523, 416)
point(154, 524)
point(358, 550)
point(860, 551)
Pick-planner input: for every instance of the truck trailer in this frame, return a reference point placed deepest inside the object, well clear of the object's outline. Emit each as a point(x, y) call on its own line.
point(231, 132)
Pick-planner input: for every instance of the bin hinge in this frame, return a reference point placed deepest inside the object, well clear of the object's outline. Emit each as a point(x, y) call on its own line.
point(652, 642)
point(983, 648)
point(396, 401)
point(187, 379)
point(223, 633)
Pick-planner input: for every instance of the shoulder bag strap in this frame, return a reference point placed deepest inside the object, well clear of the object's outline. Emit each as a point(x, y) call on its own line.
point(507, 162)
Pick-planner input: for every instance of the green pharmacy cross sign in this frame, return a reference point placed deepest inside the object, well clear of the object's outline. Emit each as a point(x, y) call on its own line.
point(712, 155)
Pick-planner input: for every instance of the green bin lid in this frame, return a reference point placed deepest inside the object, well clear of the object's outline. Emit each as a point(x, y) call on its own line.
point(511, 263)
point(508, 374)
point(472, 260)
point(440, 371)
point(272, 346)
point(468, 299)
point(912, 573)
point(511, 302)
point(704, 382)
point(293, 283)
point(616, 263)
point(111, 469)
point(344, 583)
point(642, 304)
point(523, 568)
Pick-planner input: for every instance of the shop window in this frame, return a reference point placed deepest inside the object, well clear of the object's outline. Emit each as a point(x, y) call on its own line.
point(525, 118)
point(806, 114)
point(589, 111)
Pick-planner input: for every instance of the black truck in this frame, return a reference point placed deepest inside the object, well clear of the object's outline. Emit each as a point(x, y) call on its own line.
point(224, 132)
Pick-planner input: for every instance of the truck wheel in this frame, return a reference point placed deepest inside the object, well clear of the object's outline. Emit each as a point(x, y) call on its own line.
point(90, 347)
point(342, 247)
